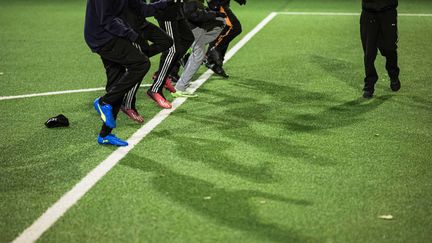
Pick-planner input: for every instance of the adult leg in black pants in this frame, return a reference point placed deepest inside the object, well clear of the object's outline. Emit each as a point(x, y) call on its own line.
point(379, 31)
point(218, 48)
point(388, 46)
point(369, 28)
point(125, 67)
point(160, 42)
point(180, 32)
point(228, 34)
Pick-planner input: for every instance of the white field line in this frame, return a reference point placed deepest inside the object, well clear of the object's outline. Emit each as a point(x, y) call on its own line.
point(414, 15)
point(346, 14)
point(56, 93)
point(49, 217)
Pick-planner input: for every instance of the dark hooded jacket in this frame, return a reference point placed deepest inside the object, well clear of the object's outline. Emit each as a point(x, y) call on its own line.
point(104, 20)
point(200, 16)
point(173, 12)
point(379, 5)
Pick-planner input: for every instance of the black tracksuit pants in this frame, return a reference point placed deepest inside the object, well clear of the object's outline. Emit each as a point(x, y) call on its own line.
point(183, 37)
point(379, 31)
point(232, 29)
point(160, 42)
point(125, 66)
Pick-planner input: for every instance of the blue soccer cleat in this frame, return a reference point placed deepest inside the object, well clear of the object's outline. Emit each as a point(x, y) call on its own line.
point(105, 112)
point(111, 139)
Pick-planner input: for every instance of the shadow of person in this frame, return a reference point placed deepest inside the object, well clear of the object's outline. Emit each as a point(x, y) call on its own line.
point(341, 69)
point(333, 116)
point(416, 101)
point(337, 116)
point(239, 120)
point(213, 152)
point(228, 207)
point(273, 147)
point(247, 120)
point(279, 92)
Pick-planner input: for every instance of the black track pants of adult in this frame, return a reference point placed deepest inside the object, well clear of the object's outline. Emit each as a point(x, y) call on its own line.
point(379, 31)
point(232, 29)
point(160, 42)
point(180, 32)
point(125, 66)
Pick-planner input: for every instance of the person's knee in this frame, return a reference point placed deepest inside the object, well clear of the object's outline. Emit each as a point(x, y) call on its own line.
point(189, 42)
point(237, 29)
point(140, 67)
point(216, 32)
point(187, 39)
point(370, 52)
point(387, 52)
point(167, 43)
point(198, 55)
point(144, 67)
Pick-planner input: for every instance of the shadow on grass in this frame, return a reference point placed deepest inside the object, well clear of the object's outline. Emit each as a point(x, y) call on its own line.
point(237, 118)
point(212, 153)
point(333, 116)
point(415, 101)
point(232, 208)
point(237, 122)
point(342, 115)
point(420, 103)
point(340, 69)
point(239, 114)
point(279, 92)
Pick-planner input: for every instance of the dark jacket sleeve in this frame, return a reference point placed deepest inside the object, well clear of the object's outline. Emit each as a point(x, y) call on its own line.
point(148, 9)
point(108, 12)
point(196, 14)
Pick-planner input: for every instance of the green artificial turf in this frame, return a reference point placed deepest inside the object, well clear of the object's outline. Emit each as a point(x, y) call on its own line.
point(283, 151)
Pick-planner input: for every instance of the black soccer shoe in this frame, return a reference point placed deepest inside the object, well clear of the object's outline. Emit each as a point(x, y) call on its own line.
point(207, 63)
point(219, 71)
point(395, 84)
point(213, 56)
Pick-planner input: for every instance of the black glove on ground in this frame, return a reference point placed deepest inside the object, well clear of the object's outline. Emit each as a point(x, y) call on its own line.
point(57, 121)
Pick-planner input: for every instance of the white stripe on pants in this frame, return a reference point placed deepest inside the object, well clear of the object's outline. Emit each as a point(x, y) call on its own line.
point(168, 60)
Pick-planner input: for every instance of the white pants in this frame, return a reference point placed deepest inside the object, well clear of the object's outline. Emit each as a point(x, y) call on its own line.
point(202, 38)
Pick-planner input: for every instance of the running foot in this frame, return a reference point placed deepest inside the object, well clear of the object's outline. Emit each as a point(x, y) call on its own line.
point(133, 115)
point(105, 113)
point(395, 84)
point(219, 71)
point(159, 99)
point(168, 85)
point(111, 139)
